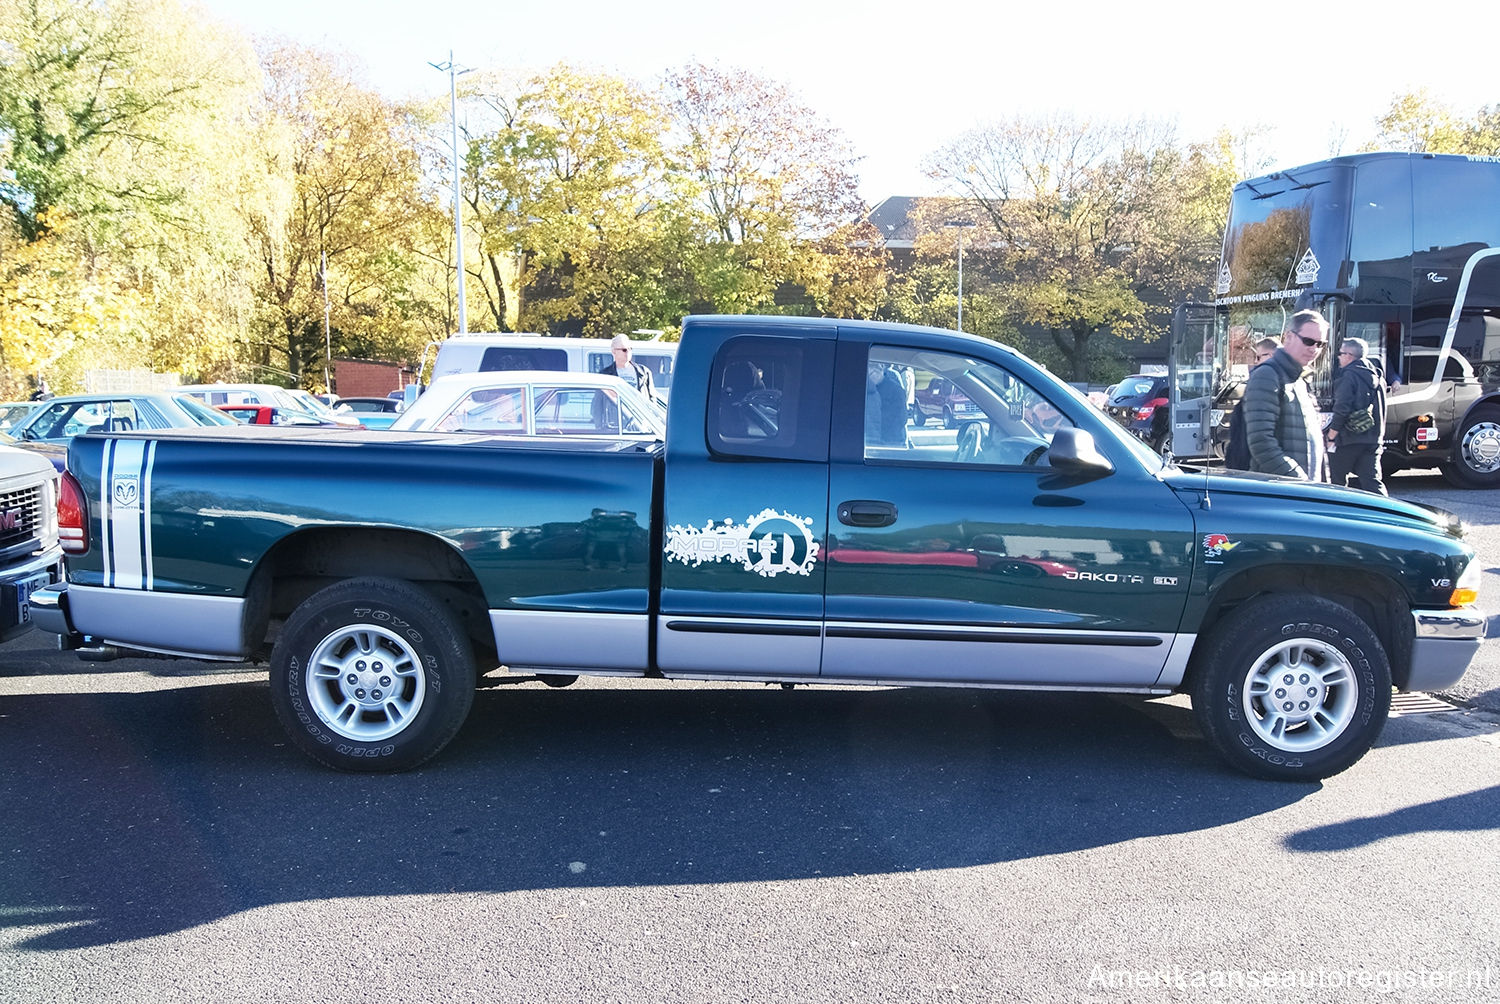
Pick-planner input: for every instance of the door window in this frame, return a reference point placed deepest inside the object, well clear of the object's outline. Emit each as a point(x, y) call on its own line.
point(493, 409)
point(935, 407)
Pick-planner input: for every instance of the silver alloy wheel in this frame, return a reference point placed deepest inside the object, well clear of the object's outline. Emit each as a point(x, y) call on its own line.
point(365, 683)
point(1300, 695)
point(1480, 448)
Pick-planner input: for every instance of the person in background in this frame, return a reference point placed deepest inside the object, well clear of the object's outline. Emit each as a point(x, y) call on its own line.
point(1265, 349)
point(627, 369)
point(1282, 425)
point(1356, 432)
point(885, 406)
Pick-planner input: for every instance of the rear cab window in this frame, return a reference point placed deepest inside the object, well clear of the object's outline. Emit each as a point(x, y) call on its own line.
point(771, 397)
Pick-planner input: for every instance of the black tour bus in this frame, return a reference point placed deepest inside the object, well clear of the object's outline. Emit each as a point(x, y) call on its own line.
point(1399, 249)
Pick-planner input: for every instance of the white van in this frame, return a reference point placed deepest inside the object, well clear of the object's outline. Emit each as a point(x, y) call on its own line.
point(487, 352)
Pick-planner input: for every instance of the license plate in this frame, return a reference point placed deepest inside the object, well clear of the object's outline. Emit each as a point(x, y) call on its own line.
point(24, 589)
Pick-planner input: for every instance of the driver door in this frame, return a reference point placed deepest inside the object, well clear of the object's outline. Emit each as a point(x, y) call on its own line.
point(959, 556)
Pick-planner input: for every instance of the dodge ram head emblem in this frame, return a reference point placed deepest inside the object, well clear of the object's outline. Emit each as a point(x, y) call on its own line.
point(126, 492)
point(768, 543)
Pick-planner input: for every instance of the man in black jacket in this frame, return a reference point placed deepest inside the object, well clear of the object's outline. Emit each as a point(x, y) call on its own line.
point(1282, 425)
point(627, 369)
point(1357, 429)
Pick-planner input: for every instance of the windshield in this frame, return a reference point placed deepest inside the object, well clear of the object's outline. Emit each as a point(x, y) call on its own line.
point(1287, 240)
point(202, 413)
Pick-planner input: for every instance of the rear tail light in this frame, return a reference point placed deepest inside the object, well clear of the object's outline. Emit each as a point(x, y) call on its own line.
point(1146, 411)
point(72, 516)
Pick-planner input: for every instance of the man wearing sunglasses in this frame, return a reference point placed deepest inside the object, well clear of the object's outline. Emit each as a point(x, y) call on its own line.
point(1282, 425)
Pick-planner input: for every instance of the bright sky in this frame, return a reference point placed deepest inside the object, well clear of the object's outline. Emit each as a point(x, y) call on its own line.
point(902, 80)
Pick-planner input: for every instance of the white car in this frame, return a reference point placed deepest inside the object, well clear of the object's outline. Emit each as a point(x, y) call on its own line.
point(535, 403)
point(30, 557)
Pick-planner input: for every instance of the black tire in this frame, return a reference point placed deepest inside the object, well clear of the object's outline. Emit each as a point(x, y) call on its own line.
point(372, 674)
point(557, 679)
point(1476, 451)
point(1316, 657)
point(950, 421)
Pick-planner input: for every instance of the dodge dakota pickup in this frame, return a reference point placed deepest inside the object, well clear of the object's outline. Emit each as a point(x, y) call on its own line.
point(793, 528)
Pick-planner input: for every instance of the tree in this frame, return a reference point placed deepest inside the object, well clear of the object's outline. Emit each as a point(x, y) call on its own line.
point(776, 188)
point(1419, 123)
point(346, 187)
point(119, 129)
point(571, 196)
point(1086, 227)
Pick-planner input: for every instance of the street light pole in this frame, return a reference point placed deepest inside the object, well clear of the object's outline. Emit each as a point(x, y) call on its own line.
point(454, 72)
point(327, 338)
point(961, 226)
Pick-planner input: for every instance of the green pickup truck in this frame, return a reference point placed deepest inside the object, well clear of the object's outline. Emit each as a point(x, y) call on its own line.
point(794, 528)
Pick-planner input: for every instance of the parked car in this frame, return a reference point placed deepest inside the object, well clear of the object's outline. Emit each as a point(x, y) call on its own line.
point(30, 556)
point(535, 403)
point(60, 419)
point(373, 412)
point(269, 414)
point(945, 402)
point(313, 406)
point(12, 413)
point(483, 352)
point(292, 409)
point(1139, 404)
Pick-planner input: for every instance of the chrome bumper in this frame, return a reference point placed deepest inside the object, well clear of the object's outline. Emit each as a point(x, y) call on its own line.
point(1446, 642)
point(49, 610)
point(48, 563)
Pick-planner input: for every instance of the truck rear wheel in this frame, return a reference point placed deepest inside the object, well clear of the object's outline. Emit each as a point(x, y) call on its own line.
point(372, 674)
point(1291, 687)
point(1476, 451)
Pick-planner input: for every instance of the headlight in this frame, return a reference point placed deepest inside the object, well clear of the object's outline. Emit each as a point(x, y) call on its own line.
point(1466, 592)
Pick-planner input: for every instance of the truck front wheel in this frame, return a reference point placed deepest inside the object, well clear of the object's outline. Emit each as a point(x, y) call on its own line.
point(1476, 452)
point(1291, 687)
point(372, 674)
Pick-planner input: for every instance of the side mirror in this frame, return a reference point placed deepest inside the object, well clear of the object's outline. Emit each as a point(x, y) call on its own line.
point(1073, 451)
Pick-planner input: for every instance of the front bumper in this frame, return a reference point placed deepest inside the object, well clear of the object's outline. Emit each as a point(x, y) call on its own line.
point(47, 563)
point(1446, 642)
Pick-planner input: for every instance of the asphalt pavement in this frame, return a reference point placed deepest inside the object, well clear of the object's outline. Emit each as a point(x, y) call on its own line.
point(692, 842)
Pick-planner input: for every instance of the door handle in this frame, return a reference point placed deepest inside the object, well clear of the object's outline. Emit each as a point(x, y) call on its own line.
point(866, 512)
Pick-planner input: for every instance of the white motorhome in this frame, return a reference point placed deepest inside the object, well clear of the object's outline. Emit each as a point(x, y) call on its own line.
point(485, 352)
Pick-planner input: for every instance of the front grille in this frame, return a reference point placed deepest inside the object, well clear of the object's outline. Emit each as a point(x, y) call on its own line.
point(20, 515)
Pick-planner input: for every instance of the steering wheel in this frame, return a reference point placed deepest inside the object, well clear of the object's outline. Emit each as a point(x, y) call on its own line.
point(970, 443)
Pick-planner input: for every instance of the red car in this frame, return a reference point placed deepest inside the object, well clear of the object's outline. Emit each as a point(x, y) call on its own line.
point(266, 414)
point(945, 402)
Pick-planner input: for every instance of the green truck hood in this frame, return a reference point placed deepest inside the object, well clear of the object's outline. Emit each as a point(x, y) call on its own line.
point(1300, 494)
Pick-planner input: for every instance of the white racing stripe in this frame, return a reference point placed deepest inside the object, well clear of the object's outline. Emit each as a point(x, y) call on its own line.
point(127, 520)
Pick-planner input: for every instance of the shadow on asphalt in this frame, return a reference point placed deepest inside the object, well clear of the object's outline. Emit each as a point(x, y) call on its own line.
point(1477, 810)
point(132, 815)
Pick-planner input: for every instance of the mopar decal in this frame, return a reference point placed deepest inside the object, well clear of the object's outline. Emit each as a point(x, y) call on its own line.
point(767, 544)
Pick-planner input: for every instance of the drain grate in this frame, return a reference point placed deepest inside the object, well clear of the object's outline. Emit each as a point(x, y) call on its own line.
point(1418, 704)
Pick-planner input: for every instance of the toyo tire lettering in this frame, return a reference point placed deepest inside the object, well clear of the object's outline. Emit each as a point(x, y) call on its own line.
point(372, 674)
point(1291, 687)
